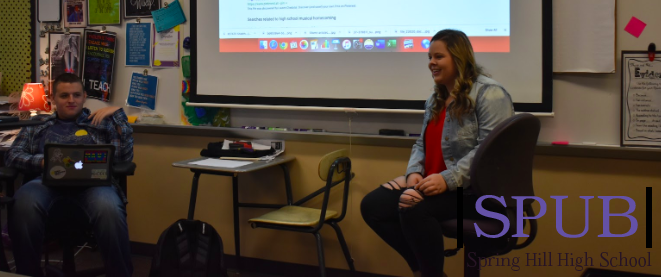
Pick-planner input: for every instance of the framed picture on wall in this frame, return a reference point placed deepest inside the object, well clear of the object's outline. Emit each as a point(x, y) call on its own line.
point(641, 99)
point(104, 12)
point(64, 52)
point(140, 8)
point(74, 13)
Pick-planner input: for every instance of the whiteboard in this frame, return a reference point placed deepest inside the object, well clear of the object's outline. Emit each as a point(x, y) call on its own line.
point(50, 10)
point(584, 36)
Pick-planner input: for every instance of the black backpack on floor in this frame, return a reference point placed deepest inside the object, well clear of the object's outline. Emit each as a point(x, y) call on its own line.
point(189, 248)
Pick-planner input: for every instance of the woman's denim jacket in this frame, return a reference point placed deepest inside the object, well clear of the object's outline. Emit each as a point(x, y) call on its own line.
point(459, 142)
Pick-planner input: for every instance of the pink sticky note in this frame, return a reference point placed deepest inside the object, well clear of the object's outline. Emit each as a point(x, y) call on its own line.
point(635, 27)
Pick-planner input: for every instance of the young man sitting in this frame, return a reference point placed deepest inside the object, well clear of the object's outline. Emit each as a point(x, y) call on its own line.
point(105, 205)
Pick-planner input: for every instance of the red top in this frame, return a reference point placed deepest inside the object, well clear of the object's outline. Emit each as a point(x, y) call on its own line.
point(434, 162)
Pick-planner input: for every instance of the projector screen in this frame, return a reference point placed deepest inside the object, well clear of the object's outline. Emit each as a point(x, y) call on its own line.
point(361, 54)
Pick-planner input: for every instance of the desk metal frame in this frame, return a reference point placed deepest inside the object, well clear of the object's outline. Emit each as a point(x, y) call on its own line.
point(234, 173)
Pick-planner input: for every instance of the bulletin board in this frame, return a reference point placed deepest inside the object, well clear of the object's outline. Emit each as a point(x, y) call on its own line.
point(15, 55)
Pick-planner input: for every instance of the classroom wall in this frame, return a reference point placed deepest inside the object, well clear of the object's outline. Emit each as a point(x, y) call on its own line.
point(586, 106)
point(168, 98)
point(159, 195)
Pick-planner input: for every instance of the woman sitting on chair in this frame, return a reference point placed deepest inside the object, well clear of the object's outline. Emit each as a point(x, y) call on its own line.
point(465, 106)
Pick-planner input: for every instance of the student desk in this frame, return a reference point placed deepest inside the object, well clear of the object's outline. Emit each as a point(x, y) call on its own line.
point(234, 172)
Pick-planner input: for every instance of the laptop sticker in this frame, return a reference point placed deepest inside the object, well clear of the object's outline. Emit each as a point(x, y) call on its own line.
point(57, 155)
point(81, 133)
point(57, 172)
point(96, 156)
point(99, 174)
point(67, 161)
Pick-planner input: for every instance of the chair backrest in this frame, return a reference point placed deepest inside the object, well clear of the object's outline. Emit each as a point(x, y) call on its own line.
point(335, 168)
point(502, 165)
point(327, 161)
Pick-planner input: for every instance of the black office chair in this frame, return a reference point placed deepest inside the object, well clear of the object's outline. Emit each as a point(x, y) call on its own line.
point(8, 177)
point(334, 169)
point(70, 230)
point(502, 166)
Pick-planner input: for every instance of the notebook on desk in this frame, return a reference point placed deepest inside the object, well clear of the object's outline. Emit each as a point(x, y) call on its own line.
point(78, 165)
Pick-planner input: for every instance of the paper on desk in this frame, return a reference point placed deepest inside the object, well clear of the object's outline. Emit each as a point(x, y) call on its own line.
point(278, 145)
point(220, 163)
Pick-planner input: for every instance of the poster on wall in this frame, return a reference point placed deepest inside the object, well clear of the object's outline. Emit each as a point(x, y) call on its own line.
point(142, 91)
point(641, 99)
point(140, 8)
point(138, 41)
point(104, 12)
point(165, 50)
point(64, 54)
point(73, 12)
point(99, 61)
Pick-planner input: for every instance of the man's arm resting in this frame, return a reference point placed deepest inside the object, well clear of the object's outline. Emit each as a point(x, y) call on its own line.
point(125, 135)
point(19, 155)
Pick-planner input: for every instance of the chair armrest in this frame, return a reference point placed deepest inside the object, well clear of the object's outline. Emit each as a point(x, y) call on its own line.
point(8, 172)
point(126, 168)
point(4, 200)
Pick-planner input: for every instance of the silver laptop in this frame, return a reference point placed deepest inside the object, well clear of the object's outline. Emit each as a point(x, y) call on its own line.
point(78, 165)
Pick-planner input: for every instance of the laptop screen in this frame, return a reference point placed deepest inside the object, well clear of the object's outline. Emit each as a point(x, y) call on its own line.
point(77, 164)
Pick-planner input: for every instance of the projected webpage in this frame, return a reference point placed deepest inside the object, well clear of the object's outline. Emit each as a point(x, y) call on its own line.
point(359, 26)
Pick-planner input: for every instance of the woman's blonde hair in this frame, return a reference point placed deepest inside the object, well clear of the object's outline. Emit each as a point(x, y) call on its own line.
point(461, 50)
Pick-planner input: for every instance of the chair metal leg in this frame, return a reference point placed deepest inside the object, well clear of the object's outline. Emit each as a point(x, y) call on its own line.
point(46, 258)
point(4, 266)
point(320, 254)
point(343, 243)
point(68, 263)
point(9, 187)
point(237, 230)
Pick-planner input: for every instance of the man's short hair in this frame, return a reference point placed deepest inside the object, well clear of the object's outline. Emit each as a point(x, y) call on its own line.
point(67, 78)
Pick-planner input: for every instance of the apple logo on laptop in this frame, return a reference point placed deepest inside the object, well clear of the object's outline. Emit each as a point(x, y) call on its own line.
point(78, 165)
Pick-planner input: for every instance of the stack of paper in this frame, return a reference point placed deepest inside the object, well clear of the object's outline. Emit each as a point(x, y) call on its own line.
point(220, 163)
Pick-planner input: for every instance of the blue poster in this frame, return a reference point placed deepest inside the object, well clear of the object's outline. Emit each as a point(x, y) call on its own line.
point(138, 42)
point(142, 92)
